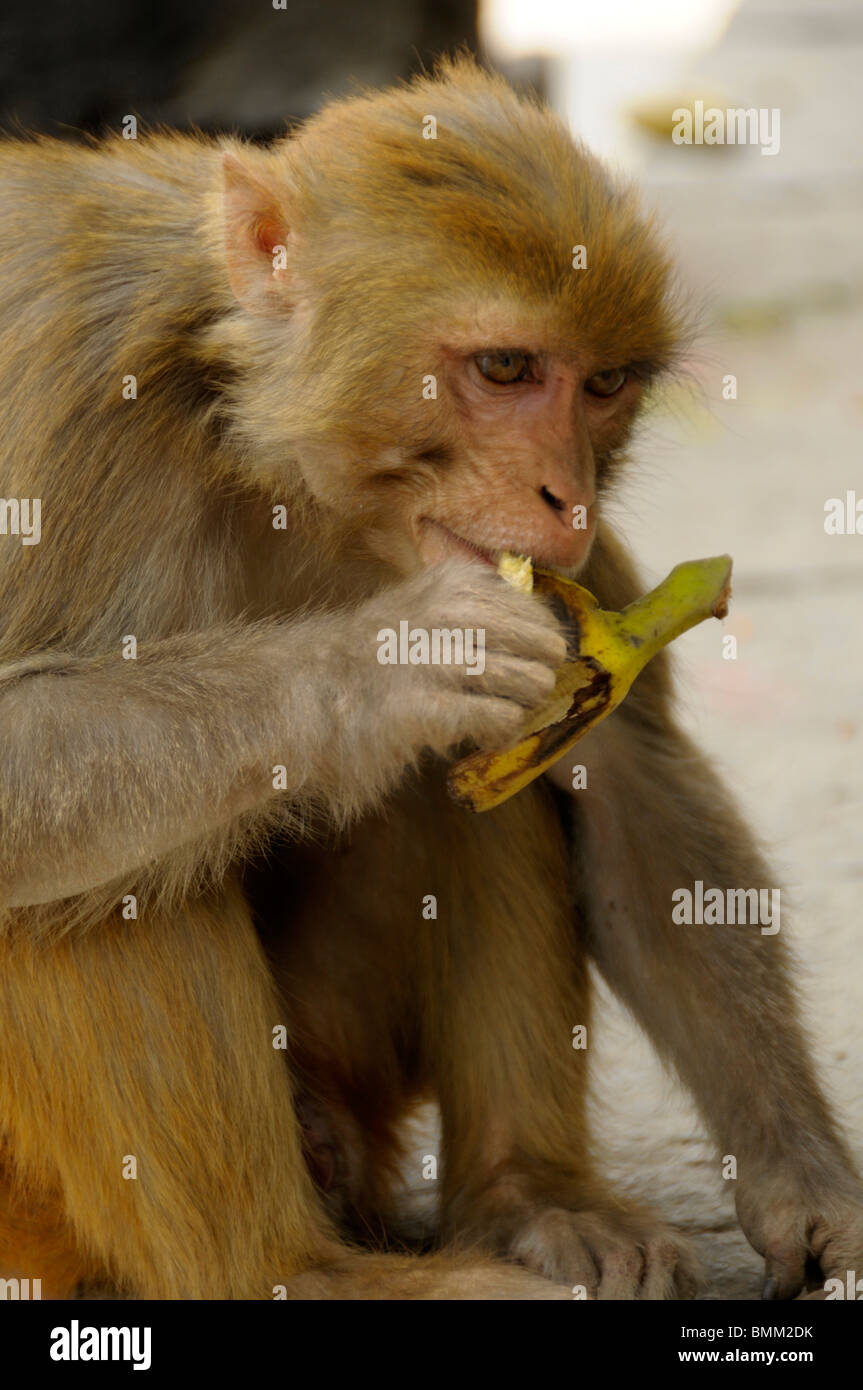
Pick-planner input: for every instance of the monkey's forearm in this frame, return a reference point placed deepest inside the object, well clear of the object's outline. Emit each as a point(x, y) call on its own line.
point(653, 819)
point(108, 764)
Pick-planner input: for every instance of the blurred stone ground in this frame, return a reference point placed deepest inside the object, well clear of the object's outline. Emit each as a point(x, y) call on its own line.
point(772, 245)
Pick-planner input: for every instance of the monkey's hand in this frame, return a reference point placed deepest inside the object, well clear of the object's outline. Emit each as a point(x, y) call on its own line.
point(391, 688)
point(797, 1226)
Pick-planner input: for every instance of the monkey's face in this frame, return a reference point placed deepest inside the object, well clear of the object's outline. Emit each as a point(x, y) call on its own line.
point(452, 335)
point(529, 429)
point(496, 430)
point(490, 426)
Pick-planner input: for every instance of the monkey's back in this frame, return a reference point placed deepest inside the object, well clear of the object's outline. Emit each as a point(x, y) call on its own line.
point(106, 274)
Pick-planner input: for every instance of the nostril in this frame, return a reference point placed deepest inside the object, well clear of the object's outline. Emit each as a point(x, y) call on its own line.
point(556, 502)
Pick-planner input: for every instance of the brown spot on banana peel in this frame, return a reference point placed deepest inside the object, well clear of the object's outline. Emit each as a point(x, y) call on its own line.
point(483, 780)
point(593, 695)
point(552, 739)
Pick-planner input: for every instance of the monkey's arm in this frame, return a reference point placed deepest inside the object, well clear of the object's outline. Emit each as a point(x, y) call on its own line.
point(718, 1001)
point(108, 764)
point(205, 740)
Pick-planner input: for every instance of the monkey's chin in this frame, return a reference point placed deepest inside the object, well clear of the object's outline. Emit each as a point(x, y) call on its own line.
point(437, 542)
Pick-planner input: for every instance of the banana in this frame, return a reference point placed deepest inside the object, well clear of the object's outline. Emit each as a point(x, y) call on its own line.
point(517, 571)
point(610, 651)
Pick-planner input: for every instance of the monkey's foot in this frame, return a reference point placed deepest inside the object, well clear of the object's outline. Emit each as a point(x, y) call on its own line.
point(808, 1234)
point(613, 1254)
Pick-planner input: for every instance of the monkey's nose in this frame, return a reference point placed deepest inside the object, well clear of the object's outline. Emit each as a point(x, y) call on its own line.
point(557, 503)
point(563, 524)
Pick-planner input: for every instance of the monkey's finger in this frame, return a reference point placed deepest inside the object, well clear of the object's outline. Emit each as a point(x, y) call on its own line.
point(580, 1267)
point(455, 717)
point(552, 1241)
point(836, 1247)
point(669, 1272)
point(622, 1270)
point(689, 1278)
point(527, 682)
point(570, 1263)
point(517, 622)
point(536, 634)
point(511, 624)
point(521, 624)
point(784, 1272)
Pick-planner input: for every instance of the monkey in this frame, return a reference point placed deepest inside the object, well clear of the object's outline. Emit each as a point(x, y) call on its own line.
point(273, 402)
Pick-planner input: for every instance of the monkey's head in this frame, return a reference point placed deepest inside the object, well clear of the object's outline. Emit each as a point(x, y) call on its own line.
point(453, 314)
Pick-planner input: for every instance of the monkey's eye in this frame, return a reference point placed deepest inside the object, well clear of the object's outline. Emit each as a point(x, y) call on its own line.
point(503, 367)
point(606, 383)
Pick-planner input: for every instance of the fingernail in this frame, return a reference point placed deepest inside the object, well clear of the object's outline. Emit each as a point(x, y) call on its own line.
point(771, 1288)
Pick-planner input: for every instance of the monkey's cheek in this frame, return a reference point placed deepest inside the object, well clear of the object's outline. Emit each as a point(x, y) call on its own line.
point(397, 553)
point(432, 551)
point(582, 545)
point(437, 543)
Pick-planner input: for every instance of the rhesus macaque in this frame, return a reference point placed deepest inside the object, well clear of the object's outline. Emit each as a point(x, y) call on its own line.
point(365, 361)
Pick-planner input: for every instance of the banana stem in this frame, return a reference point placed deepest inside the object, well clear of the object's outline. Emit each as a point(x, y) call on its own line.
point(693, 591)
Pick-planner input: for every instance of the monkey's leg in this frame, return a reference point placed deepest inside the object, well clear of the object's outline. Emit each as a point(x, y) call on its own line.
point(138, 1077)
point(515, 1007)
point(719, 1002)
point(350, 972)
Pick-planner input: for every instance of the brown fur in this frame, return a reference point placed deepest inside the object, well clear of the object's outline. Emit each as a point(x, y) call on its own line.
point(152, 1037)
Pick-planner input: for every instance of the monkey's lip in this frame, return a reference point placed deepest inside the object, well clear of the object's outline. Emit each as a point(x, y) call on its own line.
point(458, 545)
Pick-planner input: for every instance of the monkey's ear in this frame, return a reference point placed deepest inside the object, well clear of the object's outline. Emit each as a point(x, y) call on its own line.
point(257, 236)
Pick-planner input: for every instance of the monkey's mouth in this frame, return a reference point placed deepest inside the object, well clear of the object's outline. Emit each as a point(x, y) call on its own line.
point(444, 542)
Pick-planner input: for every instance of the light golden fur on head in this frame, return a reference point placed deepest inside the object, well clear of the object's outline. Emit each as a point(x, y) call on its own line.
point(396, 238)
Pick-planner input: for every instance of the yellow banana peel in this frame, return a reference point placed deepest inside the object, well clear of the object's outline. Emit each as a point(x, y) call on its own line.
point(610, 651)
